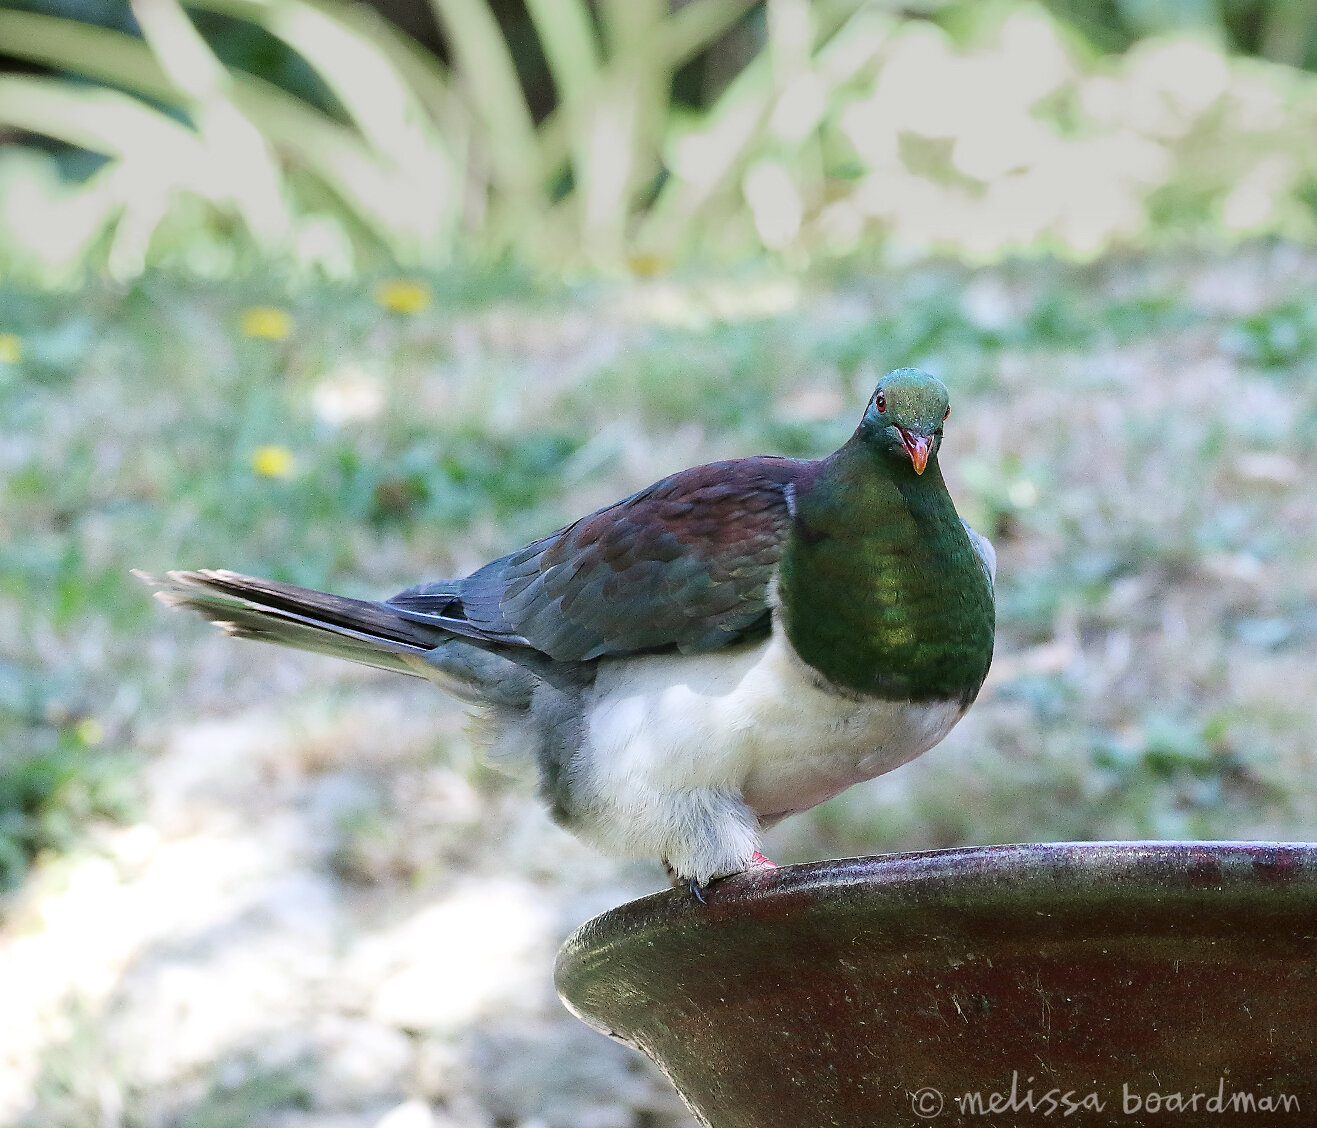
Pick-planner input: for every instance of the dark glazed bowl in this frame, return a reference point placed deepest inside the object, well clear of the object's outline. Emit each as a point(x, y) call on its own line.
point(1141, 982)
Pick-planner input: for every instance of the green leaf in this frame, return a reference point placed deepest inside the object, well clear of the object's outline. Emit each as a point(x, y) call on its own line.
point(681, 37)
point(100, 120)
point(364, 78)
point(154, 156)
point(95, 52)
point(703, 160)
point(381, 198)
point(567, 36)
point(233, 141)
point(491, 82)
point(1150, 17)
point(696, 25)
point(1287, 31)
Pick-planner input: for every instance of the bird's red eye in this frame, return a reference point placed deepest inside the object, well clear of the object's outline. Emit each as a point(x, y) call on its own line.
point(880, 401)
point(946, 413)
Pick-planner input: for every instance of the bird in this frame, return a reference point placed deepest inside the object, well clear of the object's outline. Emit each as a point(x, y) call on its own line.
point(731, 645)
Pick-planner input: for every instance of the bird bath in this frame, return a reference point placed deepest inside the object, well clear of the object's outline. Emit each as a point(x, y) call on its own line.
point(1143, 982)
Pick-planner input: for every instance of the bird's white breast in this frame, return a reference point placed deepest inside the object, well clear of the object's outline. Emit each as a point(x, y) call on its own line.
point(754, 720)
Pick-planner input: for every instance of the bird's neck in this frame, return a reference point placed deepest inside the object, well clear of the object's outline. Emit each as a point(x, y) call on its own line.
point(880, 589)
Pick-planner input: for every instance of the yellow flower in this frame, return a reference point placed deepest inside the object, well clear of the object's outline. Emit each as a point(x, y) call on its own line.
point(89, 731)
point(11, 348)
point(646, 264)
point(403, 295)
point(273, 461)
point(269, 323)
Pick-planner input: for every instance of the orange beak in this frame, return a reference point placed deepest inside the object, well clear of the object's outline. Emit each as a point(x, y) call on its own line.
point(918, 448)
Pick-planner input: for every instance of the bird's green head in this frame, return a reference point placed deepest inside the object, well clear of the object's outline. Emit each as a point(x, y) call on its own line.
point(905, 416)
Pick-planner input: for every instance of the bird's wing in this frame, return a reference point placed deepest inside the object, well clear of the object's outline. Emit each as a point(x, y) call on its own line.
point(986, 553)
point(684, 564)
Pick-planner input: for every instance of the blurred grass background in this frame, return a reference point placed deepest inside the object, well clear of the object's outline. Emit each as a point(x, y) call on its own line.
point(350, 296)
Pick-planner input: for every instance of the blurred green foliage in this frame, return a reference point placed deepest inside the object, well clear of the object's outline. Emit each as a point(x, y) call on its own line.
point(217, 136)
point(1284, 31)
point(58, 772)
point(1276, 338)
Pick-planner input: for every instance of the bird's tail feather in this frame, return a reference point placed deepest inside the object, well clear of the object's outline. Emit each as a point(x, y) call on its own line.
point(247, 607)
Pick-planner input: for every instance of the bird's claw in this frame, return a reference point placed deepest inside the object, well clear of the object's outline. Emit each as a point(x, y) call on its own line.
point(696, 890)
point(692, 884)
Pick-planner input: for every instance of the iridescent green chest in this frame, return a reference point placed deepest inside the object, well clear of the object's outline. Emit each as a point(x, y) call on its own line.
point(882, 591)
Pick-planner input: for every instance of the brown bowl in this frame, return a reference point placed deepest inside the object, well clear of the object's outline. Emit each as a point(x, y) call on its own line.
point(1139, 982)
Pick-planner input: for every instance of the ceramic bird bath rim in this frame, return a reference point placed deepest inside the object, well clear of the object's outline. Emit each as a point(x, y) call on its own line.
point(844, 992)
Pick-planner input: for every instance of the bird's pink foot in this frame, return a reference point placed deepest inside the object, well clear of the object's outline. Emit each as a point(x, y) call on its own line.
point(759, 860)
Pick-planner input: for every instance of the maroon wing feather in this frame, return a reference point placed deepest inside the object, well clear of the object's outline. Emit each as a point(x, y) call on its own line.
point(684, 564)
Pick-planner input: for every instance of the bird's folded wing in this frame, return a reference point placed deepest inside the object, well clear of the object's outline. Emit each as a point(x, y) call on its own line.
point(986, 553)
point(684, 564)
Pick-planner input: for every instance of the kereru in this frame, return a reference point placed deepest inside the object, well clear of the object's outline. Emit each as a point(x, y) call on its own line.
point(737, 642)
